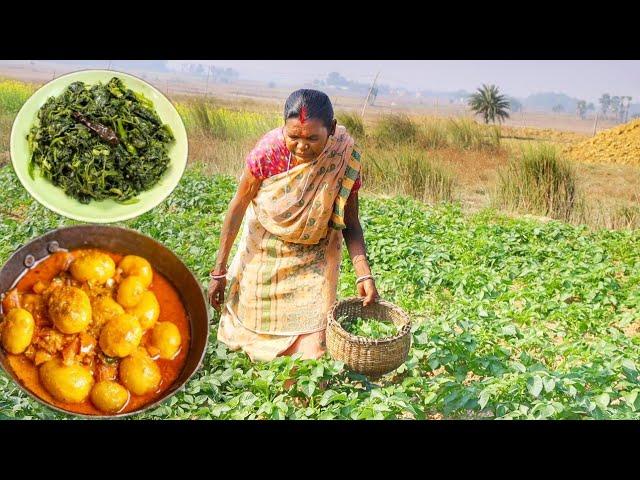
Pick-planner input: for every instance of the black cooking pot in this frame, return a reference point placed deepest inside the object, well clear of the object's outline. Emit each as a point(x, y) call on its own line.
point(126, 242)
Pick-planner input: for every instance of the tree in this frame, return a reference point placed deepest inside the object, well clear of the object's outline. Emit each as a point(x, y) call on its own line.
point(489, 103)
point(581, 108)
point(558, 108)
point(626, 109)
point(615, 106)
point(334, 78)
point(514, 105)
point(605, 103)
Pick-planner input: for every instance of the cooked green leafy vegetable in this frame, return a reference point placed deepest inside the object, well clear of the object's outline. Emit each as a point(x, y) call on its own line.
point(99, 142)
point(370, 328)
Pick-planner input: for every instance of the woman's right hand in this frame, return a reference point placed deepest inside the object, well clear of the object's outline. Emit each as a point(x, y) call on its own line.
point(247, 190)
point(216, 292)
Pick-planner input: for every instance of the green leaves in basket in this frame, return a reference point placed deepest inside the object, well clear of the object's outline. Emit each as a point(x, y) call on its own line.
point(369, 328)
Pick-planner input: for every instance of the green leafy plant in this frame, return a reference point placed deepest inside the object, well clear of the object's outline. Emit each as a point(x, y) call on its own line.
point(511, 318)
point(370, 328)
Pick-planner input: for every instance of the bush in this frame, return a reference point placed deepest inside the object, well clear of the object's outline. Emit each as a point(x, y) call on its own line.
point(353, 123)
point(404, 171)
point(396, 128)
point(538, 182)
point(469, 135)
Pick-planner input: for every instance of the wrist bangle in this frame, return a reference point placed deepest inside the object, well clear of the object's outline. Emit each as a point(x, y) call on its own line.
point(218, 276)
point(363, 278)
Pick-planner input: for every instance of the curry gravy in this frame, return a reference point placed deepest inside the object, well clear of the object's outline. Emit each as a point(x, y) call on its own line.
point(171, 310)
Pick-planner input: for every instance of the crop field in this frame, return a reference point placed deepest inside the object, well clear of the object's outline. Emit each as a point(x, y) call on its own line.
point(515, 316)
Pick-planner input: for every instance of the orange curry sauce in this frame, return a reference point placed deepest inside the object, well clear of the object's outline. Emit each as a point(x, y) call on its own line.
point(171, 310)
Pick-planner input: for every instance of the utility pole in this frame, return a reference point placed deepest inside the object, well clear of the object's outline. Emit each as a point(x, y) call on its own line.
point(595, 124)
point(206, 89)
point(366, 101)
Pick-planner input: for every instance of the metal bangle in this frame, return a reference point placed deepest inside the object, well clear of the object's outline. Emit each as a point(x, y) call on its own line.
point(217, 276)
point(363, 278)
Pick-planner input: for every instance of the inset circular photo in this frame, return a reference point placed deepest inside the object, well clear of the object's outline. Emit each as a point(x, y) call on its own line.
point(99, 146)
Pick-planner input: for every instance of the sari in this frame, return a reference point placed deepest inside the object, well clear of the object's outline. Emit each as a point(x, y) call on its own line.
point(283, 278)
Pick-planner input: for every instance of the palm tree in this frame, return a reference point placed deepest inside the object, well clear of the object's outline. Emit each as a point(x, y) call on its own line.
point(488, 102)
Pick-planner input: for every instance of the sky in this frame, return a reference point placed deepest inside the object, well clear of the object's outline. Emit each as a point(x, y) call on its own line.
point(586, 79)
point(583, 79)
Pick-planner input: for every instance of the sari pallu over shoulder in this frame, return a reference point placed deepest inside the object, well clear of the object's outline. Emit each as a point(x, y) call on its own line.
point(300, 205)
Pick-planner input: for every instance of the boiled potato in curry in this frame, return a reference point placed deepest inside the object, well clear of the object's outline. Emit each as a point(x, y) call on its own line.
point(137, 266)
point(121, 336)
point(165, 336)
point(139, 373)
point(103, 309)
point(86, 328)
point(93, 267)
point(147, 310)
point(70, 383)
point(69, 309)
point(17, 331)
point(130, 291)
point(109, 396)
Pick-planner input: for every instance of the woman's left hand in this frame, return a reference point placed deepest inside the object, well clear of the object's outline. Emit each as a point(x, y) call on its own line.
point(367, 289)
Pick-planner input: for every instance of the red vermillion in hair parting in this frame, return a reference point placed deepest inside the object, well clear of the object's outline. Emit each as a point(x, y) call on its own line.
point(303, 114)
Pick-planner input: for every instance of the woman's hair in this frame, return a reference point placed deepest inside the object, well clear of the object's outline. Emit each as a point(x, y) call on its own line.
point(305, 104)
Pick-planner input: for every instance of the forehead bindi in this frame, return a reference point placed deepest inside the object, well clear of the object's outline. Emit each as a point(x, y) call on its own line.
point(303, 115)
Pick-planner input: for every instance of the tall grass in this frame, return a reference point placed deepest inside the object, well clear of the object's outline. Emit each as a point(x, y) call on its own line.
point(538, 181)
point(405, 171)
point(460, 133)
point(614, 216)
point(395, 128)
point(5, 128)
point(469, 135)
point(13, 94)
point(219, 156)
point(207, 119)
point(353, 123)
point(432, 134)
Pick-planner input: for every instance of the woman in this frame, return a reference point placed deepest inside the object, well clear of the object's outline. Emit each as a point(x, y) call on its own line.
point(299, 191)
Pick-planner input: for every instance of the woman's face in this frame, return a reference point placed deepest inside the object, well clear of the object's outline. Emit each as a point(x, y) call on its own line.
point(307, 140)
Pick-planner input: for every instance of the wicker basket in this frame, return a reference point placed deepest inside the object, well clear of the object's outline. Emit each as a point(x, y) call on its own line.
point(368, 356)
